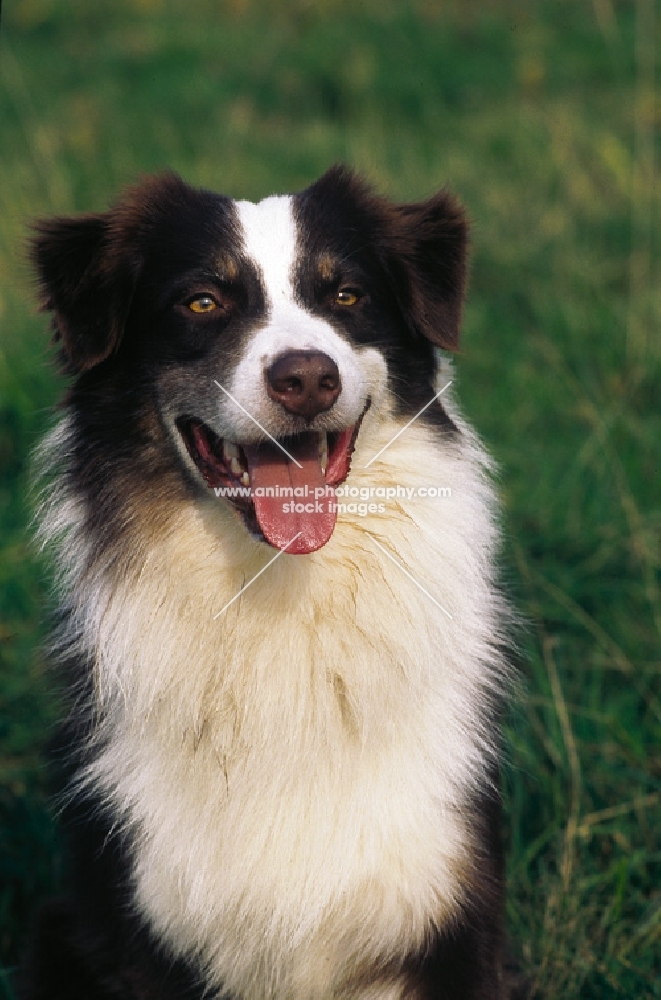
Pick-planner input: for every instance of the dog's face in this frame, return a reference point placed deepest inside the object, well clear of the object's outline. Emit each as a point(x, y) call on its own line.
point(265, 331)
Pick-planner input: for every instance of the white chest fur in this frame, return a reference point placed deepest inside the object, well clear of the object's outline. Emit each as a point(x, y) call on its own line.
point(294, 773)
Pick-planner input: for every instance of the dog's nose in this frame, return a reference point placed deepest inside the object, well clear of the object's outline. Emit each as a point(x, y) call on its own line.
point(304, 382)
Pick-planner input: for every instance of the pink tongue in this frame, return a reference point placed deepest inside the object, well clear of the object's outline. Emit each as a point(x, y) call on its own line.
point(283, 517)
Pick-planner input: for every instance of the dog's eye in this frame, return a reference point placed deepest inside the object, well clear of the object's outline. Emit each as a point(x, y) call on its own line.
point(203, 304)
point(346, 297)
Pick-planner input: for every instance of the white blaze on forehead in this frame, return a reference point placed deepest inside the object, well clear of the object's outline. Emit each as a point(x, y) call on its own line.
point(269, 236)
point(271, 242)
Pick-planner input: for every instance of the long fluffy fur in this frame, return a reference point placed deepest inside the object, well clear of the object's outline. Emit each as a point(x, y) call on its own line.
point(296, 777)
point(248, 770)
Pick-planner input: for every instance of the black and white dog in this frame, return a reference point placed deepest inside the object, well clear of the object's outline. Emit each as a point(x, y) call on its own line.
point(282, 739)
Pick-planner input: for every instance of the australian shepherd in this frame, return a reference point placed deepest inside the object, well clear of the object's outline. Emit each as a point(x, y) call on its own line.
point(280, 629)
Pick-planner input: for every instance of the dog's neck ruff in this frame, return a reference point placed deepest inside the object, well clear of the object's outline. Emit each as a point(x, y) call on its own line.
point(295, 774)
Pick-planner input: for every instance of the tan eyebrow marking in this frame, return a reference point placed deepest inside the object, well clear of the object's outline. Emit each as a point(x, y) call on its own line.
point(326, 267)
point(228, 268)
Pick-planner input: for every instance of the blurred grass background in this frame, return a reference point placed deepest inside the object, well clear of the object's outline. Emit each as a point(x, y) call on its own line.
point(544, 118)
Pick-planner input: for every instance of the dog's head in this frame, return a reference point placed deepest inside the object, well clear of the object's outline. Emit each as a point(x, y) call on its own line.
point(265, 331)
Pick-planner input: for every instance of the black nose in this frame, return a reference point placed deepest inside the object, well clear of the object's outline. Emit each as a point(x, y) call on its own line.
point(304, 382)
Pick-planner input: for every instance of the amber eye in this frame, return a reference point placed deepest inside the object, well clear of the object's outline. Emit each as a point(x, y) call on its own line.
point(346, 297)
point(202, 304)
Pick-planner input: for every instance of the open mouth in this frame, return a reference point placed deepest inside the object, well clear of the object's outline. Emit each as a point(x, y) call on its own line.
point(284, 493)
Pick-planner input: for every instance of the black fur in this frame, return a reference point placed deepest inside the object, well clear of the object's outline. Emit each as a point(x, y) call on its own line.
point(116, 283)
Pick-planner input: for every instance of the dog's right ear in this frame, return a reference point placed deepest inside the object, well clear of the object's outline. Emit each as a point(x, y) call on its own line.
point(87, 282)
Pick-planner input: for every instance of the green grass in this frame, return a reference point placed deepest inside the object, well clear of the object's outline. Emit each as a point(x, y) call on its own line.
point(543, 117)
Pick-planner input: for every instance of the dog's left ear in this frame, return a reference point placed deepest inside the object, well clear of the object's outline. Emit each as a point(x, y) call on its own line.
point(428, 268)
point(87, 282)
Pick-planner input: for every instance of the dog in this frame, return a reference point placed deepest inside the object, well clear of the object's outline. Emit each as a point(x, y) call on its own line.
point(281, 747)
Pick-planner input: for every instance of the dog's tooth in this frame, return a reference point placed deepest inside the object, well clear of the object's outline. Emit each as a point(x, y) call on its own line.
point(323, 450)
point(230, 450)
point(245, 479)
point(235, 466)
